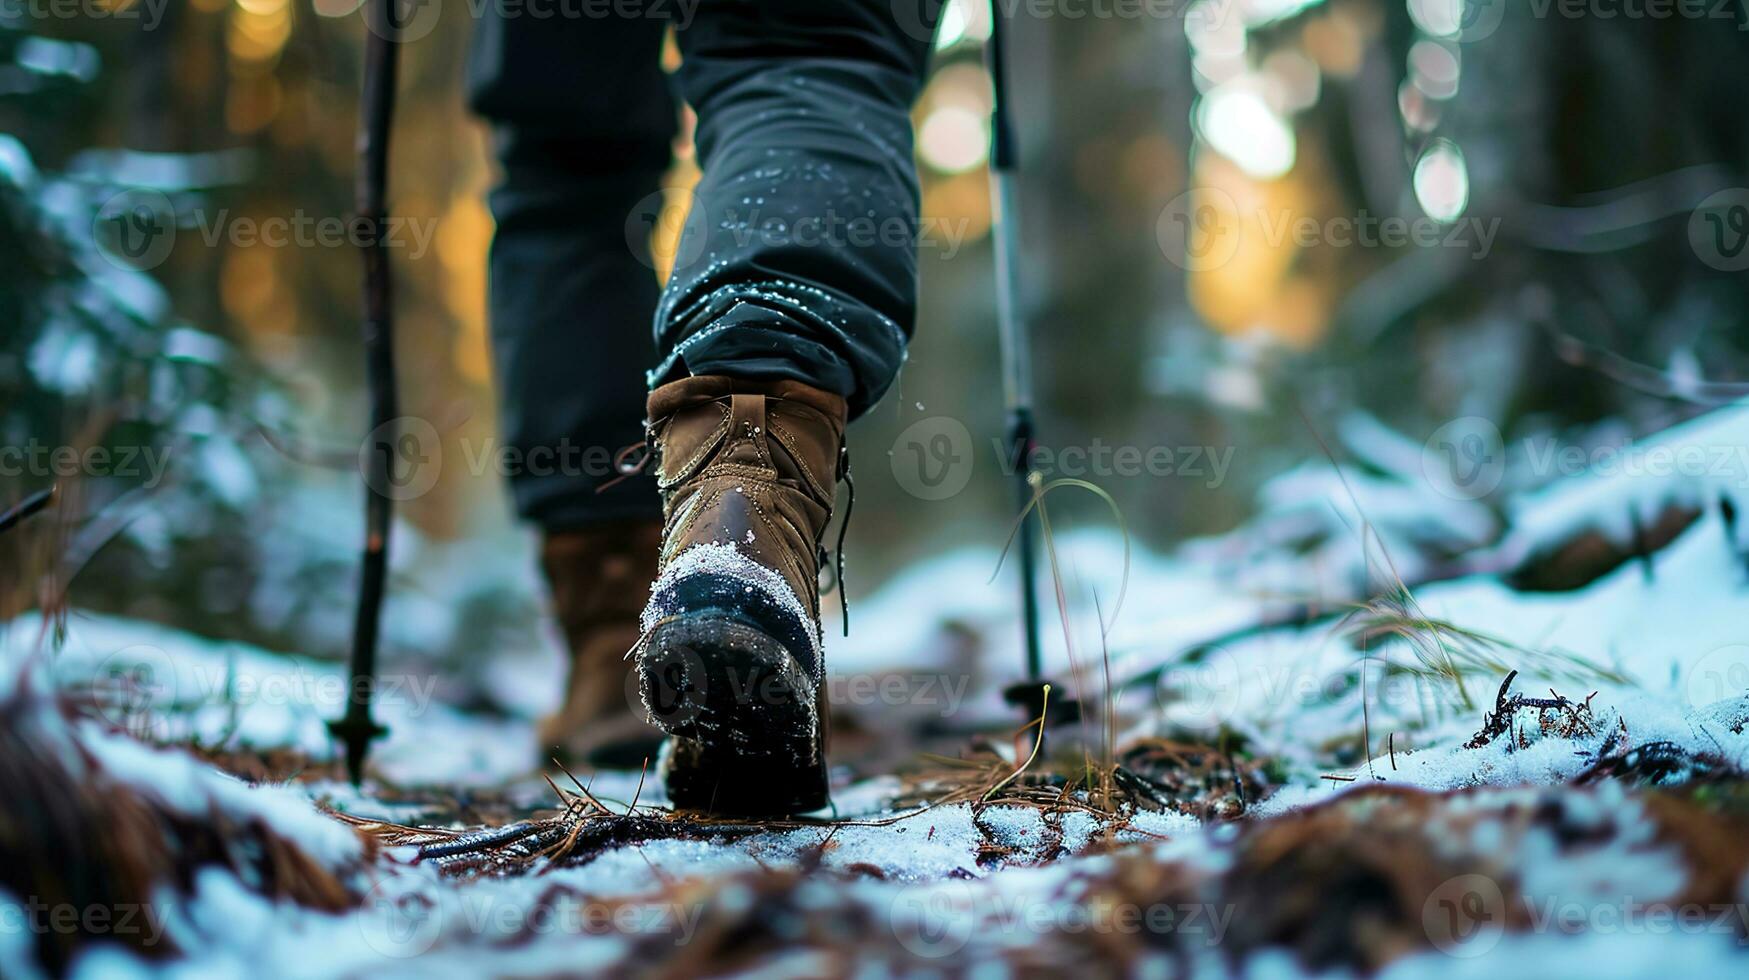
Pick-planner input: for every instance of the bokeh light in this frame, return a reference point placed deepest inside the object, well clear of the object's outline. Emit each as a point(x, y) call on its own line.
point(1239, 124)
point(954, 139)
point(1442, 182)
point(1438, 18)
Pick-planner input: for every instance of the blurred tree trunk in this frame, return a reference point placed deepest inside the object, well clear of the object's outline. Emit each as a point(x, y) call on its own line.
point(151, 120)
point(1115, 97)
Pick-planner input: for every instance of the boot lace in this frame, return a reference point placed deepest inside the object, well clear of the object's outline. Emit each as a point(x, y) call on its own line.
point(836, 561)
point(634, 459)
point(626, 467)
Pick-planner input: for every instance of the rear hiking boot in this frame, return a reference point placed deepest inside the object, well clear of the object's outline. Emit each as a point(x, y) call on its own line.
point(731, 664)
point(599, 577)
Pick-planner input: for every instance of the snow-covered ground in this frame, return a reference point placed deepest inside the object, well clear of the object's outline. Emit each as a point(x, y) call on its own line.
point(1655, 650)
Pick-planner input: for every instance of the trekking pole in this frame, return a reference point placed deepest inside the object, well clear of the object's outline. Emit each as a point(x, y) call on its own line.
point(355, 728)
point(1016, 349)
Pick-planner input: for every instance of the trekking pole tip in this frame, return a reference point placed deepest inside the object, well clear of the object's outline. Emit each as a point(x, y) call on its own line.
point(356, 733)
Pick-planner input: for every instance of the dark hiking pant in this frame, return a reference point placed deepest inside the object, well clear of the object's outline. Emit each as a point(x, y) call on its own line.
point(797, 257)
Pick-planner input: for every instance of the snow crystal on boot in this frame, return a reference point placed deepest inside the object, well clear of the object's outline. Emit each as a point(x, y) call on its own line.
point(727, 560)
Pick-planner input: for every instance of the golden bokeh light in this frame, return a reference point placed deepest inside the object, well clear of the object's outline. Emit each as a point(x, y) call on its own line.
point(1271, 285)
point(258, 30)
point(464, 234)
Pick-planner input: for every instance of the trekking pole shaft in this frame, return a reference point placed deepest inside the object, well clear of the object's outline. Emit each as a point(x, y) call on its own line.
point(1020, 441)
point(1010, 328)
point(1016, 346)
point(1012, 336)
point(382, 50)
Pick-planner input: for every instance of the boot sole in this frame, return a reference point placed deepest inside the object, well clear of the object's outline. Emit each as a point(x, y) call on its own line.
point(742, 713)
point(730, 785)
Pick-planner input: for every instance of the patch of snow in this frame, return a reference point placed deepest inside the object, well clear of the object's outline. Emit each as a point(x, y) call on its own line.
point(1693, 464)
point(167, 684)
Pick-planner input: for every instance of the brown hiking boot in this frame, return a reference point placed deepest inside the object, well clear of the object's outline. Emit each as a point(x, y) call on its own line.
point(599, 577)
point(731, 663)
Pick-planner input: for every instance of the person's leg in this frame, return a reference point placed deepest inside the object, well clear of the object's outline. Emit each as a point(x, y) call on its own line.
point(582, 123)
point(798, 260)
point(788, 312)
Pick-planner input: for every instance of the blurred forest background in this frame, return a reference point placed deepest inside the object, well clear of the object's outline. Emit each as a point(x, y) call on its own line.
point(1580, 146)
